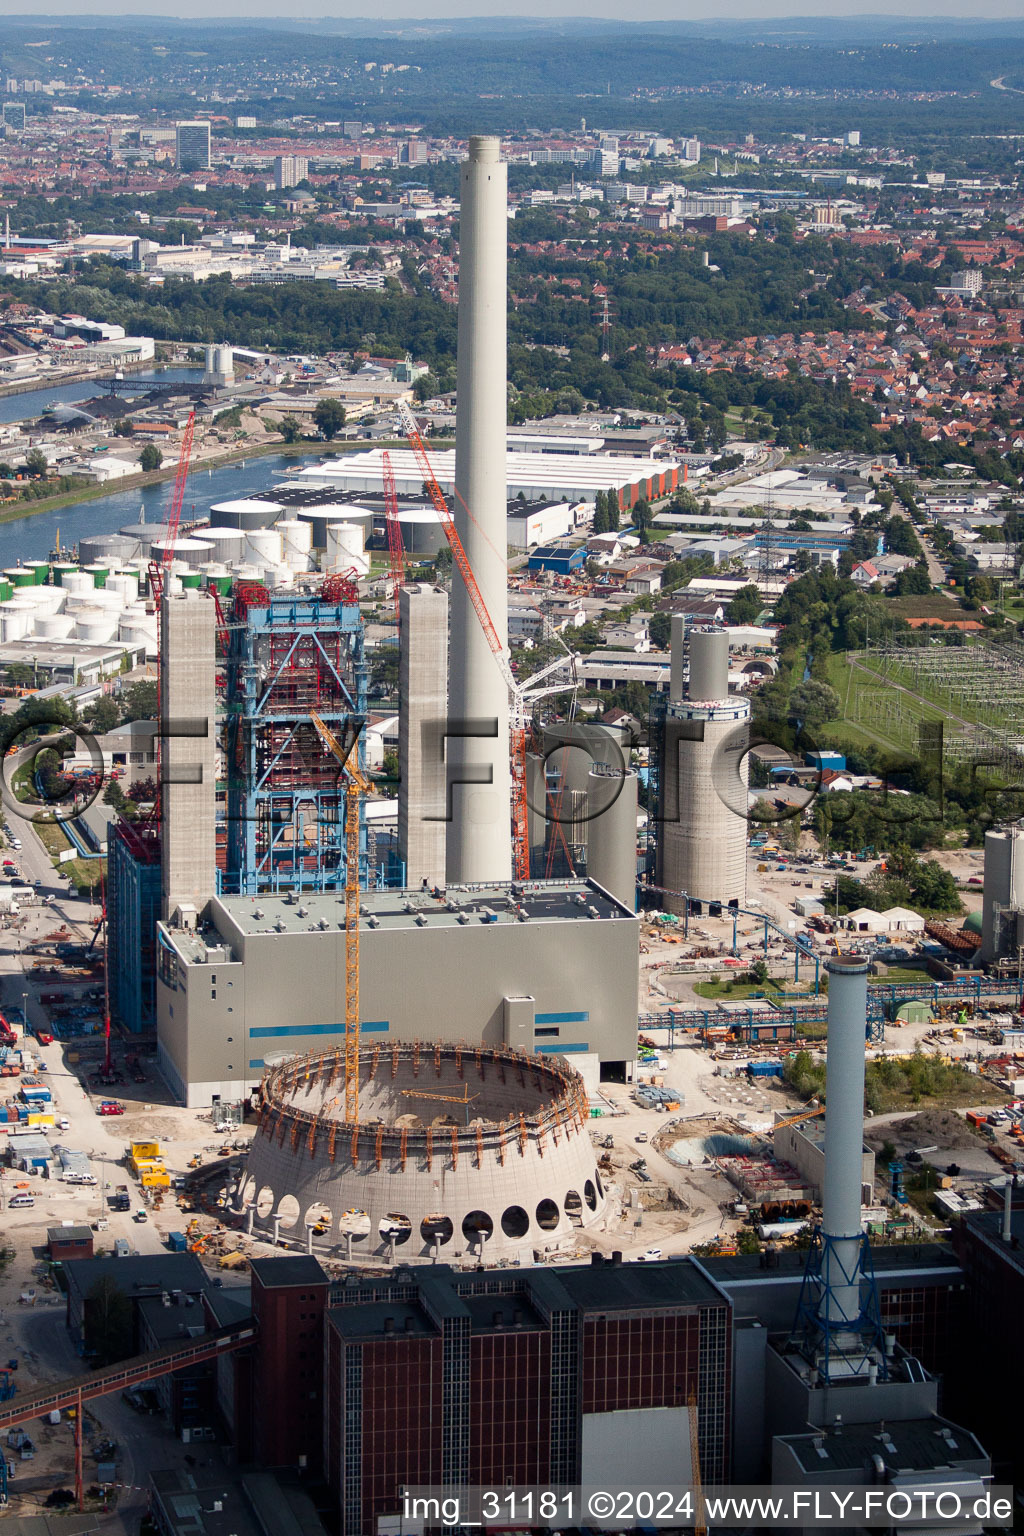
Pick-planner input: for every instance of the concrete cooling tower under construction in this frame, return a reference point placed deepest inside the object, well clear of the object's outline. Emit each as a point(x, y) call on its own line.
point(458, 1149)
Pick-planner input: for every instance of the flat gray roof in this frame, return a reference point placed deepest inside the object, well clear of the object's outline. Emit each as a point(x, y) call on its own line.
point(535, 901)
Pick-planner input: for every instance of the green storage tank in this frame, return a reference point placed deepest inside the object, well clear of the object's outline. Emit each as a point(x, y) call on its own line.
point(222, 584)
point(21, 576)
point(64, 568)
point(99, 574)
point(191, 579)
point(5, 589)
point(40, 571)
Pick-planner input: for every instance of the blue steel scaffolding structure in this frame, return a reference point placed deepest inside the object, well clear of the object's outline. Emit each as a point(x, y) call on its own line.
point(290, 654)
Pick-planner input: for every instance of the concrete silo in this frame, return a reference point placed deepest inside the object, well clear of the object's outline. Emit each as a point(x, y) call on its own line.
point(702, 777)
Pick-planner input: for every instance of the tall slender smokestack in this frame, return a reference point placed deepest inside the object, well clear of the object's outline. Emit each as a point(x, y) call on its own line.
point(479, 838)
point(844, 1139)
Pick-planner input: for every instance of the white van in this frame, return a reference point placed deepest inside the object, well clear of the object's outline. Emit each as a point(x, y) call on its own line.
point(19, 1202)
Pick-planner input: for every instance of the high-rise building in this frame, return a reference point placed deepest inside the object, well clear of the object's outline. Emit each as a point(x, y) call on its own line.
point(188, 767)
point(245, 122)
point(289, 170)
point(352, 130)
point(192, 146)
point(423, 689)
point(14, 116)
point(415, 152)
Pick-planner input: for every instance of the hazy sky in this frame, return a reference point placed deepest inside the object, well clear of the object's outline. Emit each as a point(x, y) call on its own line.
point(661, 10)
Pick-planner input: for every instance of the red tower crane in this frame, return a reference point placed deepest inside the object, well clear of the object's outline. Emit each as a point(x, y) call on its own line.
point(395, 545)
point(159, 572)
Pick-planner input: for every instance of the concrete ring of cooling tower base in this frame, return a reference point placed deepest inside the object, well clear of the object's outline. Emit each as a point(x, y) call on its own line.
point(457, 1150)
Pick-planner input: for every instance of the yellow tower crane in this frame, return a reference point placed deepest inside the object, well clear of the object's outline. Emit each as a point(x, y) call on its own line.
point(357, 786)
point(805, 1114)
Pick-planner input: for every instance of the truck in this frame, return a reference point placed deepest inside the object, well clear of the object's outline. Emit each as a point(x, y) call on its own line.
point(120, 1199)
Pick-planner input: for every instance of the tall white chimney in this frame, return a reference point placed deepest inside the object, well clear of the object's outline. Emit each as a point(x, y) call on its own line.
point(479, 836)
point(844, 1143)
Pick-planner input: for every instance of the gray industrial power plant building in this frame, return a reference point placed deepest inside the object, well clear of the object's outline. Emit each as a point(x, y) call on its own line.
point(549, 967)
point(464, 954)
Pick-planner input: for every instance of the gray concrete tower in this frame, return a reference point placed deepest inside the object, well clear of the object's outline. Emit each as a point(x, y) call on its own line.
point(188, 752)
point(702, 834)
point(479, 840)
point(422, 689)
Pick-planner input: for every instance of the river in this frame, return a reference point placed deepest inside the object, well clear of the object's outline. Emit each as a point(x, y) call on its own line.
point(30, 404)
point(33, 537)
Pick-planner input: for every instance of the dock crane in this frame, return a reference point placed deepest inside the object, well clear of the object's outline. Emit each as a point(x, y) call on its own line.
point(518, 696)
point(356, 787)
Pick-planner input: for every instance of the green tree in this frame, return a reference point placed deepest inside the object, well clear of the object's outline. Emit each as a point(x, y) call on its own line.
point(814, 703)
point(139, 702)
point(103, 714)
point(913, 582)
point(329, 417)
point(289, 429)
point(150, 458)
point(745, 605)
point(660, 630)
point(35, 462)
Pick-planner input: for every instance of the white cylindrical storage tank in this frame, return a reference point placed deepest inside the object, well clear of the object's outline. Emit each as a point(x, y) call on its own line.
point(224, 362)
point(246, 571)
point(422, 533)
point(125, 582)
point(210, 360)
point(262, 547)
point(135, 628)
point(145, 536)
point(345, 549)
point(50, 599)
point(296, 542)
point(276, 576)
point(187, 548)
point(78, 581)
point(119, 546)
point(95, 625)
point(225, 543)
point(54, 626)
point(113, 602)
point(245, 512)
point(324, 514)
point(15, 619)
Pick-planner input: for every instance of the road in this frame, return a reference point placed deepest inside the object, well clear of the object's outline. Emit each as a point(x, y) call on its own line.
point(145, 1442)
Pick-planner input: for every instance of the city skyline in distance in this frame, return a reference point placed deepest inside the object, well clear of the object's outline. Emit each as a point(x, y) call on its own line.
point(478, 16)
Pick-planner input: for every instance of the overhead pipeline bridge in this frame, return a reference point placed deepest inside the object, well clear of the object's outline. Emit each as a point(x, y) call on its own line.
point(883, 1000)
point(75, 1390)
